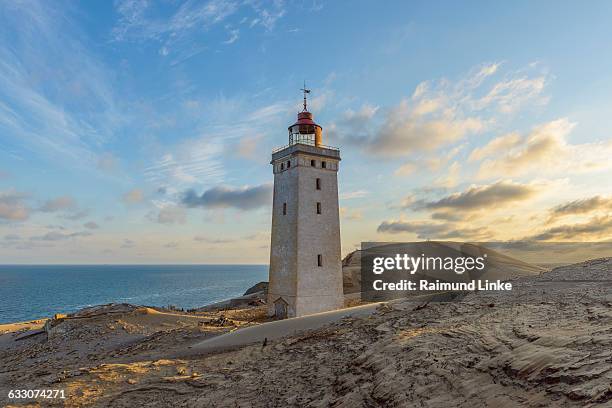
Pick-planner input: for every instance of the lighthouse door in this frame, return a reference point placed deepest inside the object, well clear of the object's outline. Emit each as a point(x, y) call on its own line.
point(280, 308)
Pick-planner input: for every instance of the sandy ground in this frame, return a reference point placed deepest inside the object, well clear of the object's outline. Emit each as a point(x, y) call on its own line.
point(547, 343)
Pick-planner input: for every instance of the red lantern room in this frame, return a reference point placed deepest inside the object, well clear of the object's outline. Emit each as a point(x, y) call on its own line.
point(305, 130)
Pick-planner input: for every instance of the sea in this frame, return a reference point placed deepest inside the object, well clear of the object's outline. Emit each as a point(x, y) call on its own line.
point(30, 292)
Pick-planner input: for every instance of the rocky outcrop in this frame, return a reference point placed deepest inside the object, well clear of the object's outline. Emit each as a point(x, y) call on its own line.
point(258, 287)
point(351, 272)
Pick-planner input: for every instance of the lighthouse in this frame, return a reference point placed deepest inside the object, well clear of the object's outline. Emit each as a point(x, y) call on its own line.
point(305, 266)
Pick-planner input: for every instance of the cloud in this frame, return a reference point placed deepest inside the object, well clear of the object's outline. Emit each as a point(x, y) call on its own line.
point(136, 24)
point(192, 161)
point(91, 225)
point(495, 195)
point(496, 146)
point(245, 198)
point(171, 215)
point(247, 147)
point(447, 216)
point(595, 228)
point(438, 113)
point(451, 178)
point(360, 118)
point(133, 196)
point(4, 175)
point(268, 13)
point(45, 73)
point(402, 132)
point(76, 215)
point(182, 30)
point(12, 237)
point(582, 206)
point(405, 169)
point(349, 214)
point(208, 240)
point(349, 195)
point(63, 203)
point(509, 95)
point(432, 230)
point(544, 151)
point(13, 206)
point(172, 245)
point(128, 243)
point(435, 164)
point(258, 236)
point(60, 236)
point(234, 35)
point(107, 162)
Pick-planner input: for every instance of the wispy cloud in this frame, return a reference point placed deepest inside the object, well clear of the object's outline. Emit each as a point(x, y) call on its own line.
point(137, 21)
point(234, 34)
point(191, 162)
point(594, 229)
point(581, 206)
point(141, 20)
point(433, 230)
point(44, 74)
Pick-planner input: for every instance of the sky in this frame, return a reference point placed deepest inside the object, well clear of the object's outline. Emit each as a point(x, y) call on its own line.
point(141, 131)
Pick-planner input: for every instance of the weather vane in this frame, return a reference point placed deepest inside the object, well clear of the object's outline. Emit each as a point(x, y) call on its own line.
point(306, 91)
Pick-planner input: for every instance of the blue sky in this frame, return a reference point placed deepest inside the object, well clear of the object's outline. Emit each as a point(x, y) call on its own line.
point(472, 120)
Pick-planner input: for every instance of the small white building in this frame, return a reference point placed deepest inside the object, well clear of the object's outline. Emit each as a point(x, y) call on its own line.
point(305, 265)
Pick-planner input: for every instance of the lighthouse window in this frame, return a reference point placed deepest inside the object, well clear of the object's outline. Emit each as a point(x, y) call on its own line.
point(284, 208)
point(323, 165)
point(282, 166)
point(288, 164)
point(313, 163)
point(319, 260)
point(318, 184)
point(318, 208)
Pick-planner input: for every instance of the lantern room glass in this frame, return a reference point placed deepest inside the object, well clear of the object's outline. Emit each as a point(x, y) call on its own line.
point(303, 134)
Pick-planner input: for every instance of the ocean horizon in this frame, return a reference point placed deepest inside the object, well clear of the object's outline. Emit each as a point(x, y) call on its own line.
point(29, 292)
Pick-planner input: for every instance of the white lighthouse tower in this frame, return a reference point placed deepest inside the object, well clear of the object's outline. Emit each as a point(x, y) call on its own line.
point(305, 265)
